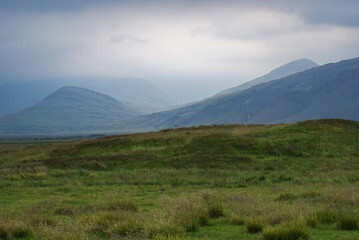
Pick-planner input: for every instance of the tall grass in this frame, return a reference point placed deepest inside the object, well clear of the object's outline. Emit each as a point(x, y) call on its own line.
point(201, 182)
point(287, 231)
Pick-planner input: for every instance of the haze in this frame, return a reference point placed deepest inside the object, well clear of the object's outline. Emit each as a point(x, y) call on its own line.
point(189, 49)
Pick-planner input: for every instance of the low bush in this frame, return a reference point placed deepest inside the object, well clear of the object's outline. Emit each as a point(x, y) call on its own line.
point(214, 205)
point(288, 231)
point(4, 233)
point(348, 222)
point(189, 213)
point(255, 225)
point(128, 226)
point(21, 232)
point(236, 220)
point(311, 221)
point(100, 223)
point(326, 216)
point(192, 220)
point(10, 231)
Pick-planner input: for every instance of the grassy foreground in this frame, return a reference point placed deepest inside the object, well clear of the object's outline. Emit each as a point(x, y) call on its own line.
point(282, 182)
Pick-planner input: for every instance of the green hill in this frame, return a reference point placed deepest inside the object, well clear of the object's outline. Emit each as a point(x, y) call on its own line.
point(68, 110)
point(293, 181)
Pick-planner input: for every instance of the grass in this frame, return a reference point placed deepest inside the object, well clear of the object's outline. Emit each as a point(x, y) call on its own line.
point(294, 181)
point(348, 221)
point(255, 225)
point(292, 231)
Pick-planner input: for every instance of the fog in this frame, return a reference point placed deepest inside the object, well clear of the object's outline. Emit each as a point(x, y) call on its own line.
point(191, 49)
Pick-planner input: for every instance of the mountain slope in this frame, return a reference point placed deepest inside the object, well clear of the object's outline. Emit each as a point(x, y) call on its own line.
point(329, 91)
point(282, 71)
point(135, 93)
point(69, 109)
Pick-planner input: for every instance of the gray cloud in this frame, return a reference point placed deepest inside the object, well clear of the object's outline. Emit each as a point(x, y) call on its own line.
point(121, 39)
point(177, 45)
point(342, 13)
point(52, 6)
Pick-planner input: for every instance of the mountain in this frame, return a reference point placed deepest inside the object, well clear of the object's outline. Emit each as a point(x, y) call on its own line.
point(135, 93)
point(329, 91)
point(17, 95)
point(280, 72)
point(69, 109)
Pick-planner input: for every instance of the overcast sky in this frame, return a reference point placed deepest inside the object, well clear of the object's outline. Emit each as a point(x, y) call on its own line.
point(190, 49)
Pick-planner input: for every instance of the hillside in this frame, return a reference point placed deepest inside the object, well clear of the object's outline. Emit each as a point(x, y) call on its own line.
point(221, 182)
point(280, 72)
point(17, 95)
point(68, 110)
point(329, 91)
point(137, 94)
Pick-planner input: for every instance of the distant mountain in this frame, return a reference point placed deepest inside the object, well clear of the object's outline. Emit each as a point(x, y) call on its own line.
point(17, 95)
point(68, 110)
point(329, 91)
point(138, 94)
point(280, 72)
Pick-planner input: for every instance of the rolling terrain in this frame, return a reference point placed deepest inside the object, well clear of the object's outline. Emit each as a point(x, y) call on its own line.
point(289, 181)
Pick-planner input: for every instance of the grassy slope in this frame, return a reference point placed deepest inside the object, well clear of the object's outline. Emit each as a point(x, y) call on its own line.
point(179, 182)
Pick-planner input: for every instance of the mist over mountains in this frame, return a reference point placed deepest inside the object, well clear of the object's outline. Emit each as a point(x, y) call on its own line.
point(135, 93)
point(69, 109)
point(300, 90)
point(282, 71)
point(329, 91)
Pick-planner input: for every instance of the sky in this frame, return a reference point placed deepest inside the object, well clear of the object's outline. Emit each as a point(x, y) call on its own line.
point(190, 49)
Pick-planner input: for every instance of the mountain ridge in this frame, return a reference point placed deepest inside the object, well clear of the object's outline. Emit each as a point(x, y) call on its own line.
point(285, 70)
point(289, 99)
point(328, 91)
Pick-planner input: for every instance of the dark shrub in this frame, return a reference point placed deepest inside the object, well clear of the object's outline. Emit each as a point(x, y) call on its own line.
point(4, 233)
point(21, 232)
point(254, 226)
point(348, 222)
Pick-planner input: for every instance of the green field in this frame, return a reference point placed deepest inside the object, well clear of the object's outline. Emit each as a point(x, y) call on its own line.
point(295, 181)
